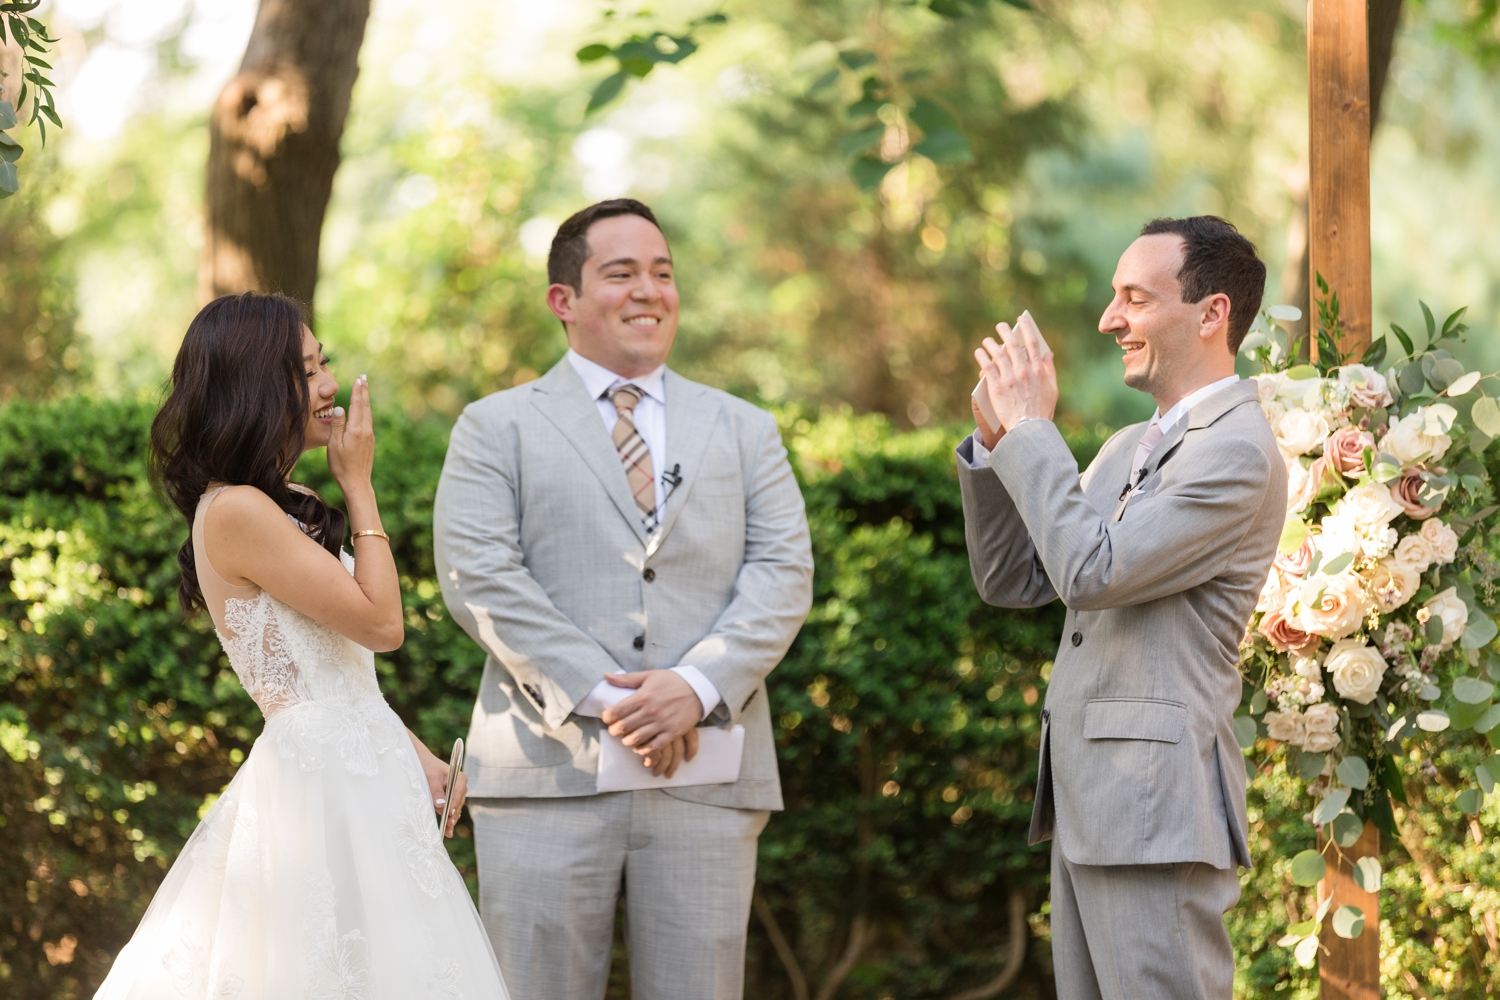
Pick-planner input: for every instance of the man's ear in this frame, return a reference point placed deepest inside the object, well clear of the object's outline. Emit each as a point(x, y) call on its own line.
point(560, 301)
point(1215, 321)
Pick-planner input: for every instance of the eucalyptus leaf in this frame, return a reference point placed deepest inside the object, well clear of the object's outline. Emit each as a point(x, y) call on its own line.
point(1310, 765)
point(1445, 373)
point(1492, 765)
point(1463, 384)
point(8, 115)
point(1258, 701)
point(1488, 720)
point(1346, 828)
point(1411, 380)
point(1244, 731)
point(1462, 715)
point(1485, 778)
point(1470, 800)
point(1285, 313)
point(10, 181)
point(1302, 372)
point(1367, 874)
point(1294, 533)
point(1434, 630)
point(1348, 921)
point(1338, 564)
point(1429, 692)
point(1472, 690)
point(1433, 720)
point(946, 145)
point(1486, 415)
point(1384, 472)
point(1308, 868)
point(1354, 772)
point(1306, 952)
point(1478, 633)
point(1330, 806)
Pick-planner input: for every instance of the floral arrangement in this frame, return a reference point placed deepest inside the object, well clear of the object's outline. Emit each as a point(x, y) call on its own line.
point(1373, 627)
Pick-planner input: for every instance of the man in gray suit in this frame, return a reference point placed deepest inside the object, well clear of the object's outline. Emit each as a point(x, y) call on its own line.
point(1159, 551)
point(630, 548)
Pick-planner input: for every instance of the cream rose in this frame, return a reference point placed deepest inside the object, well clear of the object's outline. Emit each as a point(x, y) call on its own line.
point(1407, 491)
point(1330, 606)
point(1414, 553)
point(1357, 669)
point(1297, 562)
point(1412, 439)
point(1345, 450)
point(1453, 612)
point(1273, 594)
point(1300, 431)
point(1367, 388)
point(1442, 539)
point(1390, 585)
point(1370, 506)
point(1321, 718)
point(1320, 742)
point(1313, 479)
point(1287, 727)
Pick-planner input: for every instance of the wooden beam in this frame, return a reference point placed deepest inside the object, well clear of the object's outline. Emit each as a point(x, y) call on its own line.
point(1349, 969)
point(1338, 104)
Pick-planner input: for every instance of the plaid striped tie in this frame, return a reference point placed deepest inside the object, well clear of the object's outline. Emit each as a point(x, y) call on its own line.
point(634, 454)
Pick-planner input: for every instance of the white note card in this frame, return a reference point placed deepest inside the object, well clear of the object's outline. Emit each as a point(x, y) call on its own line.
point(717, 762)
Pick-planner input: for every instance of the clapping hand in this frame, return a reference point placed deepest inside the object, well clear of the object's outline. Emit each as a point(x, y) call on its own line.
point(1020, 376)
point(351, 446)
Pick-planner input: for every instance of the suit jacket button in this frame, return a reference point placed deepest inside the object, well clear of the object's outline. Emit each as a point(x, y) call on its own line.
point(640, 642)
point(649, 575)
point(1077, 639)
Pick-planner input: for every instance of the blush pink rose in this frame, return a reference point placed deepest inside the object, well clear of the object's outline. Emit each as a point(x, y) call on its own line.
point(1345, 450)
point(1407, 490)
point(1296, 564)
point(1285, 636)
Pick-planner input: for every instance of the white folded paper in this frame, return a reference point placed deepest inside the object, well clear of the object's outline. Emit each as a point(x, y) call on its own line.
point(717, 762)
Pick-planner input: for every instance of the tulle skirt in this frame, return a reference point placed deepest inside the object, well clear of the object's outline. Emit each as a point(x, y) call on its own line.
point(320, 883)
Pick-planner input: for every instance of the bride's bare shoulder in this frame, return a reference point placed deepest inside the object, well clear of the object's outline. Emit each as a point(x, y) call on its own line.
point(242, 509)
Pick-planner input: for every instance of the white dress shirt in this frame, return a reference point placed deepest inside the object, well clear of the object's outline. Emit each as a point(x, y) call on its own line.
point(1167, 420)
point(651, 422)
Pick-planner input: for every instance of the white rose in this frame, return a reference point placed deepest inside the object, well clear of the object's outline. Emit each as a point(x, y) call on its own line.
point(1321, 718)
point(1414, 553)
point(1453, 612)
point(1356, 668)
point(1442, 538)
point(1366, 386)
point(1273, 594)
point(1338, 533)
point(1268, 385)
point(1370, 505)
point(1411, 437)
point(1330, 606)
point(1296, 485)
point(1273, 411)
point(1286, 727)
point(1320, 742)
point(1390, 585)
point(1300, 431)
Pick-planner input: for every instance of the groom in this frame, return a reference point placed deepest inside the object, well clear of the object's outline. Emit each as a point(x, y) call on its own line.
point(1159, 551)
point(631, 551)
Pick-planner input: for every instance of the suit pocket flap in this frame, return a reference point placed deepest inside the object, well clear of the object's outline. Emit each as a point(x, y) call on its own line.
point(1134, 719)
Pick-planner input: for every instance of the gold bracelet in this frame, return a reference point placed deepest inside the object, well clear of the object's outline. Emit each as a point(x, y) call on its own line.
point(372, 531)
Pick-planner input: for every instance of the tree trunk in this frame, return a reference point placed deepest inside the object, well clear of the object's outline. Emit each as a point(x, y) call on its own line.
point(274, 147)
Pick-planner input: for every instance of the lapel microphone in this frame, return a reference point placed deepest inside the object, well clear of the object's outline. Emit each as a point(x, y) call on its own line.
point(673, 478)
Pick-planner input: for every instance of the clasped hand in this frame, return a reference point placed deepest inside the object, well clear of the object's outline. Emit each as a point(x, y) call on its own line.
point(1020, 377)
point(659, 721)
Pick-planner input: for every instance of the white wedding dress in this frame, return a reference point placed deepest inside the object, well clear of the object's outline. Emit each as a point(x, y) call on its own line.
point(320, 872)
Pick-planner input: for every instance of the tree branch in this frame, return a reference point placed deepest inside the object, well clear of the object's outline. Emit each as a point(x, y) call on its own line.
point(858, 938)
point(779, 942)
point(1015, 947)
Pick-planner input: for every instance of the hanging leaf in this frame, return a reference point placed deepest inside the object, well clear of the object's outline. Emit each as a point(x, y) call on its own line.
point(945, 146)
point(8, 115)
point(1463, 384)
point(1367, 873)
point(1308, 868)
point(856, 58)
point(1472, 690)
point(10, 149)
point(868, 172)
point(1488, 721)
point(1431, 323)
point(1310, 765)
point(1470, 800)
point(1486, 415)
point(608, 89)
point(1433, 720)
point(1348, 921)
point(860, 140)
point(1330, 806)
point(1244, 731)
point(1306, 952)
point(1346, 829)
point(1354, 772)
point(930, 117)
point(10, 183)
point(1404, 338)
point(1258, 701)
point(592, 53)
point(1285, 313)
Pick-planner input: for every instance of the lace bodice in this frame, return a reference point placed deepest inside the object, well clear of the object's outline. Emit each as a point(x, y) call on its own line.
point(316, 688)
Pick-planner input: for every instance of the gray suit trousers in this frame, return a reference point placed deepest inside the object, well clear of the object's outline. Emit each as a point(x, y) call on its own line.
point(1140, 932)
point(552, 870)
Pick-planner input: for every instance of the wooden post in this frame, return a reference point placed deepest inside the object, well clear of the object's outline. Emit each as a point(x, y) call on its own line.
point(1350, 969)
point(1338, 106)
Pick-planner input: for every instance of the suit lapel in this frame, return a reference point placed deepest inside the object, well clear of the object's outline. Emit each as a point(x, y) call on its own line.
point(692, 414)
point(561, 397)
point(1200, 416)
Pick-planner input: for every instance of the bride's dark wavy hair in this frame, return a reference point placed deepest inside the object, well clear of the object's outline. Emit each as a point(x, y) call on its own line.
point(237, 414)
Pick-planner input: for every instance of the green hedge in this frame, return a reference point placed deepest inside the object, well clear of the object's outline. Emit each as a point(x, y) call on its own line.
point(906, 725)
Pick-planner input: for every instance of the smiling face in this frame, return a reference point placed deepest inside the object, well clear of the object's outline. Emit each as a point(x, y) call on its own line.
point(1171, 347)
point(625, 315)
point(321, 388)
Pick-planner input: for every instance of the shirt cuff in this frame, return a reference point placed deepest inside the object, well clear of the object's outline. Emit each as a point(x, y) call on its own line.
point(601, 697)
point(702, 687)
point(981, 454)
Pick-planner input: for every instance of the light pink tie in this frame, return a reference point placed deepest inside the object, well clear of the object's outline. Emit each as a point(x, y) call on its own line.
point(1143, 451)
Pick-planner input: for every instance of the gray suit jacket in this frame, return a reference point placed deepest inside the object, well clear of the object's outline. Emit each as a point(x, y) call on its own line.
point(1139, 763)
point(544, 561)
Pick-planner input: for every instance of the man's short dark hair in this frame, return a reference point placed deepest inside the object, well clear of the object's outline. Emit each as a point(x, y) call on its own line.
point(1216, 258)
point(570, 247)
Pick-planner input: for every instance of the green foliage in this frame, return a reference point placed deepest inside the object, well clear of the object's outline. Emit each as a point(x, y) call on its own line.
point(17, 27)
point(638, 55)
point(40, 354)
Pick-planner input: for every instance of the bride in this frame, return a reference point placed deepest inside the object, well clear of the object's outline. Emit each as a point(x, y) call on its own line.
point(320, 871)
